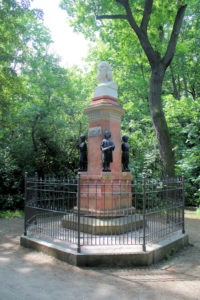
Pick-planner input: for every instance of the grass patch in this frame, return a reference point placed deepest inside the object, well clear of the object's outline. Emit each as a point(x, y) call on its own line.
point(169, 255)
point(195, 213)
point(8, 214)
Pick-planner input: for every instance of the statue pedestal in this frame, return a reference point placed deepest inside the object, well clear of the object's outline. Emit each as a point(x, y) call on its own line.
point(105, 197)
point(104, 113)
point(105, 194)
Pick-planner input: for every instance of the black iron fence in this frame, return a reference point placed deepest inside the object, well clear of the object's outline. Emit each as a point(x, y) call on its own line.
point(86, 212)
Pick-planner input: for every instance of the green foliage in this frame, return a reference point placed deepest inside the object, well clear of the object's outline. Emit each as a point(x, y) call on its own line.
point(195, 214)
point(42, 107)
point(8, 214)
point(169, 255)
point(10, 194)
point(120, 47)
point(183, 76)
point(51, 113)
point(184, 123)
point(42, 104)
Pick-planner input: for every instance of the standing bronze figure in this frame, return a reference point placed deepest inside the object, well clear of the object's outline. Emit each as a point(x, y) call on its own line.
point(107, 147)
point(83, 154)
point(125, 153)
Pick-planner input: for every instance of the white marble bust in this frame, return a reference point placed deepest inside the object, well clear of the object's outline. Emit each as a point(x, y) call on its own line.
point(107, 86)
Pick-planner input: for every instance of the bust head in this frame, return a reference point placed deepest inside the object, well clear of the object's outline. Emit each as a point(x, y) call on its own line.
point(104, 73)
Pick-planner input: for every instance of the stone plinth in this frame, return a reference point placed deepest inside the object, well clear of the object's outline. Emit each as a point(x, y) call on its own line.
point(104, 113)
point(113, 255)
point(101, 226)
point(106, 195)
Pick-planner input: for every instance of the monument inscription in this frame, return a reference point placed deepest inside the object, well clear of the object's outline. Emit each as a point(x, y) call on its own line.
point(95, 131)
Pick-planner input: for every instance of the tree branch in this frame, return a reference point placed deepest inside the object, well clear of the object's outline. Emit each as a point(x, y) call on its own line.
point(142, 35)
point(130, 17)
point(174, 37)
point(141, 32)
point(146, 15)
point(111, 17)
point(122, 2)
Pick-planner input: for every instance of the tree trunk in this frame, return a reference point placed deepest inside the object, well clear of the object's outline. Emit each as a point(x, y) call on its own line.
point(185, 84)
point(175, 91)
point(159, 121)
point(33, 133)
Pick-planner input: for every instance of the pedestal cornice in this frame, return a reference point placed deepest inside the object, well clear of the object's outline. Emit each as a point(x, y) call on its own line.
point(104, 109)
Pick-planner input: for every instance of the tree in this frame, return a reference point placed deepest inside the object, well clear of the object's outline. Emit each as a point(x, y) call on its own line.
point(16, 20)
point(183, 121)
point(185, 69)
point(52, 116)
point(41, 104)
point(128, 10)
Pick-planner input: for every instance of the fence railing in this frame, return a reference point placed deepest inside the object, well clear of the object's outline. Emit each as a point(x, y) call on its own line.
point(98, 213)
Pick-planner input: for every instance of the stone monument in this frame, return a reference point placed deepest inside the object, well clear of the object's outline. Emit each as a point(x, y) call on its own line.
point(104, 115)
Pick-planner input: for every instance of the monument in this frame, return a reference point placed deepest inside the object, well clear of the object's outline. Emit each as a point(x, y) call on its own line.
point(96, 211)
point(104, 170)
point(104, 199)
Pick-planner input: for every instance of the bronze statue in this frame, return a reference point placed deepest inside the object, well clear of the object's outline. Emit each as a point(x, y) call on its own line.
point(125, 153)
point(83, 154)
point(107, 147)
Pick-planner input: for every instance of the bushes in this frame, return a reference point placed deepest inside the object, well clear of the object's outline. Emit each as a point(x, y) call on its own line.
point(183, 117)
point(11, 188)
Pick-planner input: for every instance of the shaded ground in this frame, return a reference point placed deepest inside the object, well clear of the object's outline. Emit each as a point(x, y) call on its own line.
point(29, 275)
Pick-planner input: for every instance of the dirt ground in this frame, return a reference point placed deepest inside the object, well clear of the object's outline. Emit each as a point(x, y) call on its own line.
point(29, 275)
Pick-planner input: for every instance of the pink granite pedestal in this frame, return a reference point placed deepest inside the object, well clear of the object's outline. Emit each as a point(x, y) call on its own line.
point(105, 193)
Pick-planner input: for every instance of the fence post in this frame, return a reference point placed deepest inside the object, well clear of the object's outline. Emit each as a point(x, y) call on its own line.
point(79, 200)
point(36, 189)
point(25, 201)
point(33, 211)
point(167, 198)
point(183, 203)
point(144, 210)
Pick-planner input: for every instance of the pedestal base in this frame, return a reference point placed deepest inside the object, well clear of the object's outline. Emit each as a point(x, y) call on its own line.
point(106, 194)
point(96, 226)
point(105, 214)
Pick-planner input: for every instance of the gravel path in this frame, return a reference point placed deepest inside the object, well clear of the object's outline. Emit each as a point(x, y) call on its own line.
point(29, 275)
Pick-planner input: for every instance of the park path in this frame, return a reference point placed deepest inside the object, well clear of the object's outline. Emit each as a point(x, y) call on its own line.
point(29, 275)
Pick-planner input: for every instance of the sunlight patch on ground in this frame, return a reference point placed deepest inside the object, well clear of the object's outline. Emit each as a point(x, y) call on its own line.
point(7, 245)
point(4, 259)
point(39, 258)
point(24, 270)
